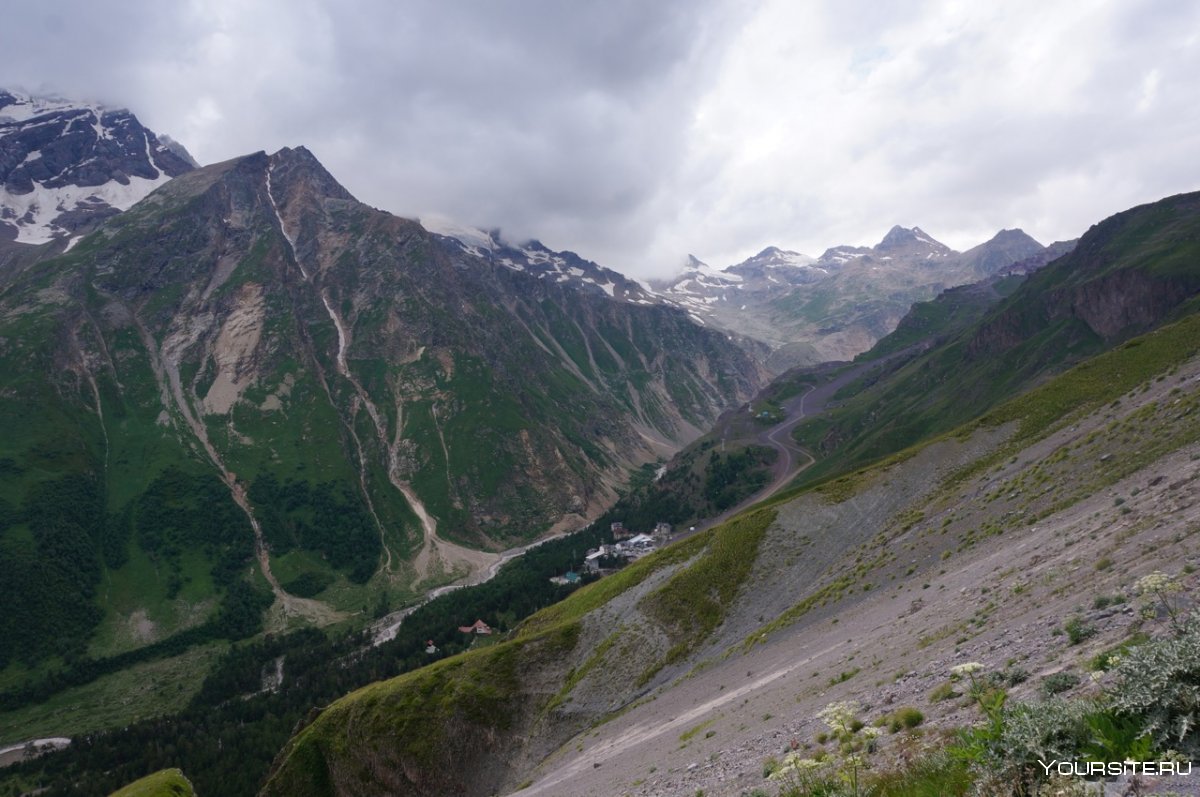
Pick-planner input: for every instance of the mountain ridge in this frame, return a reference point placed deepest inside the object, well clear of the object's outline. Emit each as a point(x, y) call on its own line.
point(837, 306)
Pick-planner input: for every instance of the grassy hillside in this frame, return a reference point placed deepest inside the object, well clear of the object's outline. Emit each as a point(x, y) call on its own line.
point(430, 731)
point(167, 783)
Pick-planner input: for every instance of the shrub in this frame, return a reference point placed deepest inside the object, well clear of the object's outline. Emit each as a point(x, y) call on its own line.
point(944, 692)
point(1077, 630)
point(929, 773)
point(1059, 682)
point(1161, 598)
point(1116, 737)
point(904, 718)
point(1032, 732)
point(1160, 683)
point(1015, 675)
point(1107, 659)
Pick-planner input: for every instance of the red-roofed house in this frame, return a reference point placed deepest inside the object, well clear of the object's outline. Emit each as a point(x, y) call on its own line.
point(479, 627)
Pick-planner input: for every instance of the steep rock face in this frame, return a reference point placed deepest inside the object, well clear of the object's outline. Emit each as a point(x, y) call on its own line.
point(355, 390)
point(66, 165)
point(1125, 275)
point(1124, 303)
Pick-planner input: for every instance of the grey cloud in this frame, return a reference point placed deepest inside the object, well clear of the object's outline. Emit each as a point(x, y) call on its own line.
point(582, 124)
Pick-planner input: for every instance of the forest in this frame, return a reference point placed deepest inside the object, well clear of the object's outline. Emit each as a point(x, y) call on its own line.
point(230, 712)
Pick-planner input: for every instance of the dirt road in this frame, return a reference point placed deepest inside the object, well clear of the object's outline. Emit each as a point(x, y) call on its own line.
point(792, 459)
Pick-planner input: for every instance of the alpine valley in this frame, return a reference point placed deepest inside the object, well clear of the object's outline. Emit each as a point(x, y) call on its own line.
point(269, 452)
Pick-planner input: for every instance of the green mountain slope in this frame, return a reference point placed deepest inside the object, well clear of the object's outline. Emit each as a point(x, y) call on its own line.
point(249, 372)
point(1030, 469)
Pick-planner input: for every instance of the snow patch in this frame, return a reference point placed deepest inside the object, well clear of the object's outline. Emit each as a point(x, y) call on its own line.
point(27, 107)
point(463, 233)
point(34, 214)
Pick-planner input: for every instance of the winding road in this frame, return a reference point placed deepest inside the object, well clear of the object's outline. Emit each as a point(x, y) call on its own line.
point(792, 459)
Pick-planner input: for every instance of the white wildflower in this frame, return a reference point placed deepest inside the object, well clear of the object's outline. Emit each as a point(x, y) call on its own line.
point(839, 715)
point(1157, 582)
point(794, 765)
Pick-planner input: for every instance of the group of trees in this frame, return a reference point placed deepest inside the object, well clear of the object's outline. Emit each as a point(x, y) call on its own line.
point(180, 510)
point(52, 551)
point(703, 483)
point(48, 555)
point(729, 478)
point(325, 517)
point(239, 616)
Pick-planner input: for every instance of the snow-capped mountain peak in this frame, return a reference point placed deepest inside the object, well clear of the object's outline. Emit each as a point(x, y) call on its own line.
point(472, 238)
point(65, 164)
point(535, 258)
point(774, 257)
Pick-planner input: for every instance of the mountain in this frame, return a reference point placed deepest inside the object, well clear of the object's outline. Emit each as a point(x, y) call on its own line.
point(1007, 550)
point(65, 165)
point(250, 371)
point(836, 306)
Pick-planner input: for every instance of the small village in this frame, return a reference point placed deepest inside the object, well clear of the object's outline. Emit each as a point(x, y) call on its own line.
point(627, 545)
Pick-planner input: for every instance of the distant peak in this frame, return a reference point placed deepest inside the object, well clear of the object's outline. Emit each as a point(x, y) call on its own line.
point(68, 164)
point(773, 256)
point(898, 235)
point(906, 236)
point(1008, 236)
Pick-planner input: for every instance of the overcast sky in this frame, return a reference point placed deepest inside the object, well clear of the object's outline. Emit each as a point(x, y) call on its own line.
point(636, 132)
